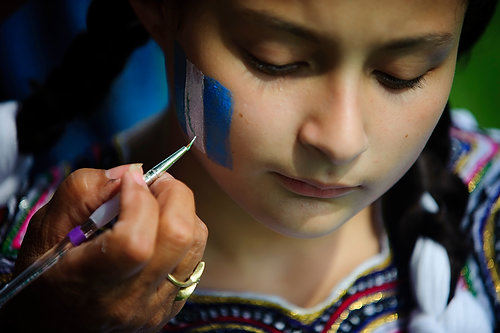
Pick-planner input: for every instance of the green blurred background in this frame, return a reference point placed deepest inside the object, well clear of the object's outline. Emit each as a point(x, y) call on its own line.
point(477, 78)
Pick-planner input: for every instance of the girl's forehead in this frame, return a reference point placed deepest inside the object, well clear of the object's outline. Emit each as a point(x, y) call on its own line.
point(381, 19)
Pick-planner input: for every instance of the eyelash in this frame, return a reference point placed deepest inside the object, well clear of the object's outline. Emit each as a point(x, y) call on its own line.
point(395, 83)
point(271, 69)
point(388, 81)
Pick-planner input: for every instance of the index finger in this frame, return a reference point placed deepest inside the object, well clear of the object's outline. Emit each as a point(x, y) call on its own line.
point(128, 246)
point(76, 198)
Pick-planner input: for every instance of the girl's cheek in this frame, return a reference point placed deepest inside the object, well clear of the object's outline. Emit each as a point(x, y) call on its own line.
point(204, 109)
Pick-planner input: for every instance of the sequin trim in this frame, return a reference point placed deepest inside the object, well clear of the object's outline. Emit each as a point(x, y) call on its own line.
point(379, 287)
point(229, 327)
point(357, 303)
point(304, 318)
point(379, 322)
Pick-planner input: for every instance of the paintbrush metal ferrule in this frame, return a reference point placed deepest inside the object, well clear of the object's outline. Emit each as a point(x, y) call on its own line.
point(160, 168)
point(103, 215)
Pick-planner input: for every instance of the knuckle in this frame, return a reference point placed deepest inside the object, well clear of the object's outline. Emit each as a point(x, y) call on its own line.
point(74, 191)
point(202, 232)
point(183, 189)
point(144, 201)
point(133, 249)
point(181, 235)
point(138, 251)
point(176, 189)
point(77, 181)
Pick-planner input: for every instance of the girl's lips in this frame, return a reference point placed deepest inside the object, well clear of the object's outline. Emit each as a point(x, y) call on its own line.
point(310, 188)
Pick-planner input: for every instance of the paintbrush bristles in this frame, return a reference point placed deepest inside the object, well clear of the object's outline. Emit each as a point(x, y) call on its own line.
point(191, 143)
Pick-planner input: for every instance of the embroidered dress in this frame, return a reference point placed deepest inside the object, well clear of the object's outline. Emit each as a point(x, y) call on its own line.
point(368, 300)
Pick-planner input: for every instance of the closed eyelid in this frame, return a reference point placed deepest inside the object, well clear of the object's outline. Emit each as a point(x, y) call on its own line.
point(411, 59)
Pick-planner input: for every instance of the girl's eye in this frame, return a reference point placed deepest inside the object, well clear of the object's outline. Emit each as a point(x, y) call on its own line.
point(272, 69)
point(395, 83)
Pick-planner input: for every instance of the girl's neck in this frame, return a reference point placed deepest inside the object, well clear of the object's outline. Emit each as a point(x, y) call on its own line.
point(244, 255)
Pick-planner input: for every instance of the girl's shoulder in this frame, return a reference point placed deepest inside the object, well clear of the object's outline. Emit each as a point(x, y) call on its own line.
point(476, 160)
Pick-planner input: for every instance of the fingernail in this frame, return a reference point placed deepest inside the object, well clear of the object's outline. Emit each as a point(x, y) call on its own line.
point(136, 171)
point(116, 172)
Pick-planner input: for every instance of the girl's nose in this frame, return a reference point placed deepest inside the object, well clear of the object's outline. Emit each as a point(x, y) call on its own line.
point(336, 127)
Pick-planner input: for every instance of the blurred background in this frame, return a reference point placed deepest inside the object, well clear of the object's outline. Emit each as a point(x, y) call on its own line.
point(34, 39)
point(32, 43)
point(477, 78)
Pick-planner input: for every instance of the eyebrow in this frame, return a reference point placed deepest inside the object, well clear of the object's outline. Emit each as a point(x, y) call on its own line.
point(399, 45)
point(269, 20)
point(432, 39)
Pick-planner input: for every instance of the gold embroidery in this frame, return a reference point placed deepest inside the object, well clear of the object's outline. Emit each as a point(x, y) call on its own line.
point(459, 165)
point(245, 328)
point(379, 322)
point(466, 157)
point(305, 318)
point(358, 305)
point(477, 178)
point(489, 247)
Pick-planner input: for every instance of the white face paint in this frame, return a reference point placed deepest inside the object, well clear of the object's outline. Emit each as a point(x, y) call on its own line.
point(204, 109)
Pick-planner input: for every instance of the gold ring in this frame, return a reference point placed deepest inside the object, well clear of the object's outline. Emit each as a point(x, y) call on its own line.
point(194, 278)
point(184, 293)
point(187, 287)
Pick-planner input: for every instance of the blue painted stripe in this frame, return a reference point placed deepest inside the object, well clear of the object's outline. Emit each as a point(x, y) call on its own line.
point(218, 111)
point(180, 84)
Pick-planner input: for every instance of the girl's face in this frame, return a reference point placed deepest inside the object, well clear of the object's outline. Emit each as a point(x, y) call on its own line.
point(330, 101)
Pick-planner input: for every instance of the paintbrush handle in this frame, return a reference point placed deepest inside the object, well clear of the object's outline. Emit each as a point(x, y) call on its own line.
point(30, 274)
point(99, 218)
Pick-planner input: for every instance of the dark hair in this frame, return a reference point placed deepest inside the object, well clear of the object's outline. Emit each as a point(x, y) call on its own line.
point(82, 81)
point(477, 17)
point(405, 218)
point(97, 56)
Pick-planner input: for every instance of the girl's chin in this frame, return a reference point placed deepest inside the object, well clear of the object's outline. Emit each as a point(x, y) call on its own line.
point(304, 227)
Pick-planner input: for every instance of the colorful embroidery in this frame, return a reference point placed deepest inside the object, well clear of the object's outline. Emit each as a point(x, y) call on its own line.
point(465, 275)
point(472, 164)
point(489, 247)
point(479, 167)
point(372, 306)
point(370, 303)
point(34, 194)
point(57, 177)
point(370, 297)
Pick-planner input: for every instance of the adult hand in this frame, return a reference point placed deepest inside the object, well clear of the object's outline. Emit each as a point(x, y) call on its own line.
point(117, 281)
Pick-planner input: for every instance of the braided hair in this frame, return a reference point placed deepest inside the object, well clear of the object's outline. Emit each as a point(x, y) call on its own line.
point(405, 218)
point(98, 55)
point(83, 79)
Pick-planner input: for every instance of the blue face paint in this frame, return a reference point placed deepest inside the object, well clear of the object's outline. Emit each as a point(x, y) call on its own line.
point(204, 108)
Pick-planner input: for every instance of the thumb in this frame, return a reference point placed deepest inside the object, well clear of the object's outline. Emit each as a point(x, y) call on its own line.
point(80, 194)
